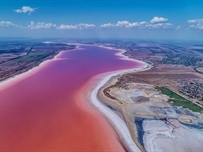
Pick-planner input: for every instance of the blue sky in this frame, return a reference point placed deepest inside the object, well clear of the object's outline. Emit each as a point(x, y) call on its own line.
point(162, 19)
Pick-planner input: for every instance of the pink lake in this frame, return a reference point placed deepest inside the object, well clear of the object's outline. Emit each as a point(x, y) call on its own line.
point(44, 111)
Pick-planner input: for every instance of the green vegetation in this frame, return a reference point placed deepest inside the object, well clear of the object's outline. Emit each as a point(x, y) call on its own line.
point(177, 100)
point(32, 56)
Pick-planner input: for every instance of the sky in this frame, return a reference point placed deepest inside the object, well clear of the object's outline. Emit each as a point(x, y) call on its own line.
point(139, 19)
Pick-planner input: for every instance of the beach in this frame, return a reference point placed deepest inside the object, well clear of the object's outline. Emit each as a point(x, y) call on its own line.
point(151, 120)
point(117, 122)
point(97, 82)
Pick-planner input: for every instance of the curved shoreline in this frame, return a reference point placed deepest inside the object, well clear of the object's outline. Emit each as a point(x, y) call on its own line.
point(119, 125)
point(98, 136)
point(12, 80)
point(114, 118)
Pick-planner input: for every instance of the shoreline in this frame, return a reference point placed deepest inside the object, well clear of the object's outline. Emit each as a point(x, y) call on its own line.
point(113, 78)
point(107, 139)
point(113, 118)
point(117, 122)
point(12, 80)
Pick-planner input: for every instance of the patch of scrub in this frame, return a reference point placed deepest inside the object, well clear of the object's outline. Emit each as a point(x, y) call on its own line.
point(177, 100)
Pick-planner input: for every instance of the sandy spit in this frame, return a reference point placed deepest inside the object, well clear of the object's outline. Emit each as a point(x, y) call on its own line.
point(118, 123)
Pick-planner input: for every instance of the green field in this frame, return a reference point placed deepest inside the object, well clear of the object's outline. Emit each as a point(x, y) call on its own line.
point(177, 100)
point(32, 56)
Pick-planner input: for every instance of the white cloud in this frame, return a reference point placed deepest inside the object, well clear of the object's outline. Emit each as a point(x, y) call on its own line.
point(121, 24)
point(196, 23)
point(26, 9)
point(67, 27)
point(127, 24)
point(107, 25)
point(80, 26)
point(139, 25)
point(41, 25)
point(8, 24)
point(192, 21)
point(159, 26)
point(134, 24)
point(143, 22)
point(83, 26)
point(158, 20)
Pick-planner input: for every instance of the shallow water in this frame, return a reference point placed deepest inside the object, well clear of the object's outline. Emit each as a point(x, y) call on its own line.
point(40, 111)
